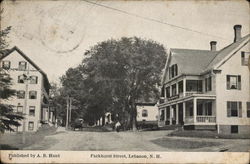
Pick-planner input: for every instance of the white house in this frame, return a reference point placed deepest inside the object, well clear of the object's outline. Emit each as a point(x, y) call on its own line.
point(147, 112)
point(32, 87)
point(208, 89)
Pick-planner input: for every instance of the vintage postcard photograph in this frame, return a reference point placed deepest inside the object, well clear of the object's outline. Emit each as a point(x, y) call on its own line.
point(126, 81)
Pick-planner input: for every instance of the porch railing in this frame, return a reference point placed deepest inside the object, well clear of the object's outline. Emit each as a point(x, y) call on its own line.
point(206, 119)
point(192, 92)
point(200, 119)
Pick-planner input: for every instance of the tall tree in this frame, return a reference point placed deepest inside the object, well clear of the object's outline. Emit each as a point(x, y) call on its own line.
point(114, 75)
point(131, 67)
point(8, 118)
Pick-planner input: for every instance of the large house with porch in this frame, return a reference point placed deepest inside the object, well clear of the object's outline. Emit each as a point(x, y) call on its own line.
point(208, 89)
point(32, 90)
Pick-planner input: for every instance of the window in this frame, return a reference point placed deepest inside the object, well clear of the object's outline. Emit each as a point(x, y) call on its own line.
point(32, 111)
point(20, 109)
point(168, 91)
point(248, 109)
point(174, 90)
point(234, 129)
point(180, 87)
point(33, 79)
point(173, 71)
point(208, 84)
point(208, 108)
point(199, 109)
point(234, 82)
point(31, 125)
point(21, 79)
point(14, 109)
point(194, 85)
point(20, 94)
point(234, 109)
point(22, 65)
point(32, 94)
point(244, 58)
point(144, 113)
point(6, 64)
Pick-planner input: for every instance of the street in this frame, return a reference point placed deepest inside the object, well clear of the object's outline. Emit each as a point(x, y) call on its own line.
point(134, 141)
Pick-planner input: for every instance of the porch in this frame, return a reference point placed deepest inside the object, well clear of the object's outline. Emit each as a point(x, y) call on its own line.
point(192, 111)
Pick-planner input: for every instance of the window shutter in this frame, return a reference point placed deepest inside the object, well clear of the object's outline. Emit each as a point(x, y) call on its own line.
point(176, 70)
point(240, 109)
point(36, 79)
point(228, 82)
point(239, 82)
point(228, 109)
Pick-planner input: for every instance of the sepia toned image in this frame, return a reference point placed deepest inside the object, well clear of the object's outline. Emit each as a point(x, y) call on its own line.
point(102, 81)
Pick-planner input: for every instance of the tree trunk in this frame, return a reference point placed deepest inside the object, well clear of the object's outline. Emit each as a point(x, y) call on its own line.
point(103, 120)
point(133, 116)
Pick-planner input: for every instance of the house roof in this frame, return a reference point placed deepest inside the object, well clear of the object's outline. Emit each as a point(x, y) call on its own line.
point(225, 51)
point(192, 61)
point(197, 62)
point(7, 52)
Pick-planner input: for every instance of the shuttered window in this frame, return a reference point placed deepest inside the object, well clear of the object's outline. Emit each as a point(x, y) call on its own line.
point(173, 71)
point(233, 82)
point(234, 109)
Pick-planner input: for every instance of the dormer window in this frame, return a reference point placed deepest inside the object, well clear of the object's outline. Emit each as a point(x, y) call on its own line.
point(173, 71)
point(22, 65)
point(244, 58)
point(6, 64)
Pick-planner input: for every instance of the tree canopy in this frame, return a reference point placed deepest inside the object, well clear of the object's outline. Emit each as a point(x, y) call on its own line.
point(114, 75)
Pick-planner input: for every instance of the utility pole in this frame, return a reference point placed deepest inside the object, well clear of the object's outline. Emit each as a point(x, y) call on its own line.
point(26, 80)
point(67, 116)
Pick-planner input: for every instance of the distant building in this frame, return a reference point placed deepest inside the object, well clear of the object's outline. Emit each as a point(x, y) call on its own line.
point(208, 89)
point(147, 114)
point(32, 87)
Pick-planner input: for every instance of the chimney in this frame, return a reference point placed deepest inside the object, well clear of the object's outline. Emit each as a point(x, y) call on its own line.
point(213, 45)
point(237, 32)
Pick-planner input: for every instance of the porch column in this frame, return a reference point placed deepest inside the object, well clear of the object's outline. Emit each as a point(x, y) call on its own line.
point(184, 87)
point(184, 111)
point(171, 115)
point(177, 88)
point(165, 92)
point(177, 114)
point(195, 108)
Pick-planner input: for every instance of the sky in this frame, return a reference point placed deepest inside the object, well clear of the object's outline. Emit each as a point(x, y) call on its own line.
point(55, 34)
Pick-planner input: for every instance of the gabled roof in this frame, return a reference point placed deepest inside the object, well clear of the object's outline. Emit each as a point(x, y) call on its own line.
point(9, 51)
point(198, 62)
point(192, 61)
point(226, 51)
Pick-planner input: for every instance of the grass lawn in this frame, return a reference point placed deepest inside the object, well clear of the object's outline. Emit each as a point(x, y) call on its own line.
point(174, 143)
point(12, 141)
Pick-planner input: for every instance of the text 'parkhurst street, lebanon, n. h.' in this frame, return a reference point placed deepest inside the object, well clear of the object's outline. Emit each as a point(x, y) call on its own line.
point(124, 156)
